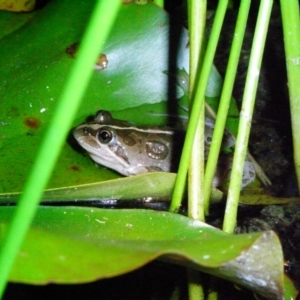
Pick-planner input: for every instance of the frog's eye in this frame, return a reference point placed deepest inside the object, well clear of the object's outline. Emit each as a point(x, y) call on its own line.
point(105, 136)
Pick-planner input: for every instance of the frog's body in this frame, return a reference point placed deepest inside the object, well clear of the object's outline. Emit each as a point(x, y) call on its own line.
point(132, 150)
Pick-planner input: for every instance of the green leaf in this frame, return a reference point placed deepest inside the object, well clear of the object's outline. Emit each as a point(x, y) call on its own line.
point(156, 186)
point(72, 245)
point(33, 68)
point(134, 84)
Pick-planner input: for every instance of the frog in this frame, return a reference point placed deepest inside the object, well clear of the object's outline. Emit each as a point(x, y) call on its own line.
point(133, 150)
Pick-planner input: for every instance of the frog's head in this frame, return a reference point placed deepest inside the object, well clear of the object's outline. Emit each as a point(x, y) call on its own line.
point(127, 149)
point(103, 146)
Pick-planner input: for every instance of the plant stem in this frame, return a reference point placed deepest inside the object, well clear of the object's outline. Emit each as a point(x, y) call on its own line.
point(197, 21)
point(159, 3)
point(246, 115)
point(231, 71)
point(103, 17)
point(197, 106)
point(195, 287)
point(291, 31)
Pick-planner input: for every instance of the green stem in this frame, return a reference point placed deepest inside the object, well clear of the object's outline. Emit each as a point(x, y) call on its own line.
point(246, 115)
point(291, 31)
point(103, 17)
point(195, 288)
point(197, 106)
point(197, 21)
point(159, 3)
point(231, 71)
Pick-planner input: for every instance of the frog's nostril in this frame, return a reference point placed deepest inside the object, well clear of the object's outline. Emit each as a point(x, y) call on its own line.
point(86, 130)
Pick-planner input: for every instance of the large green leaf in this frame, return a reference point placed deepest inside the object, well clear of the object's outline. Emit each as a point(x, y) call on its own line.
point(33, 68)
point(69, 245)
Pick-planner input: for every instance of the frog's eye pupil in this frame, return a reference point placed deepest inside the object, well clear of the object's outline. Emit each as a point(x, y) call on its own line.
point(105, 136)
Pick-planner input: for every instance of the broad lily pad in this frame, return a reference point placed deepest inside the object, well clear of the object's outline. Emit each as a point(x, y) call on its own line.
point(68, 245)
point(35, 62)
point(33, 67)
